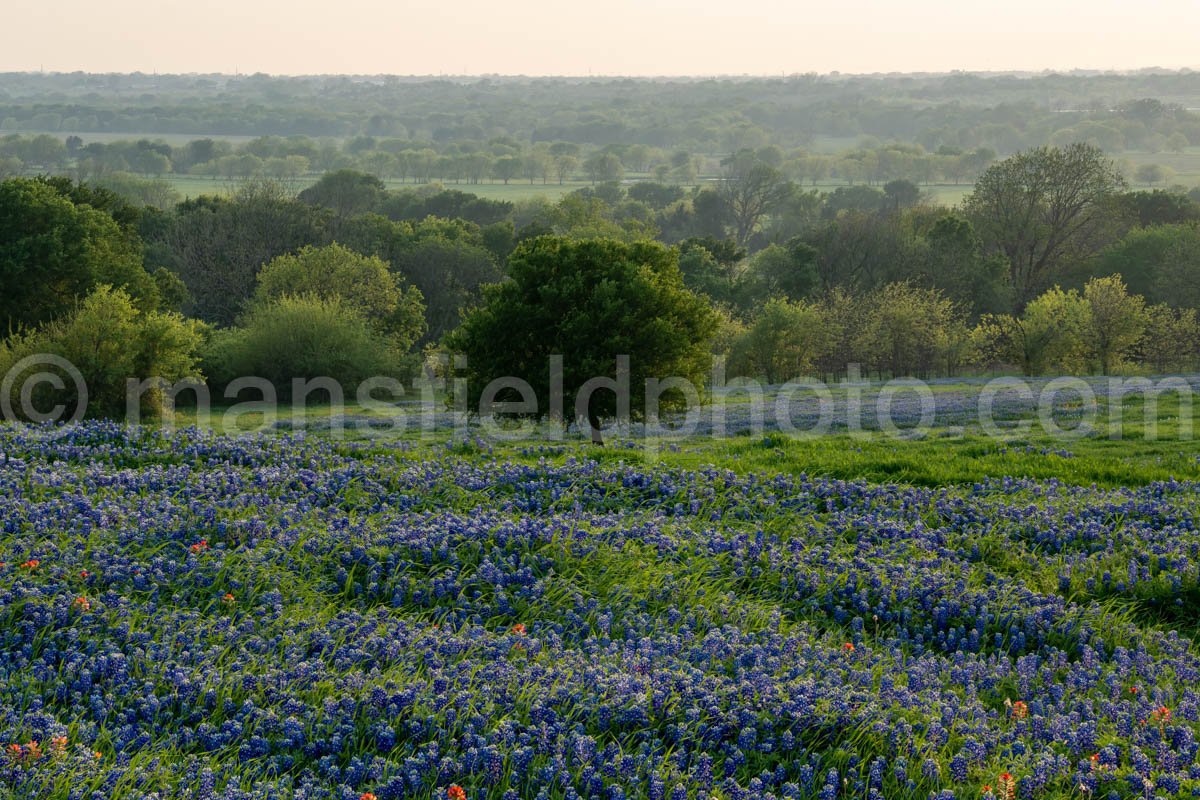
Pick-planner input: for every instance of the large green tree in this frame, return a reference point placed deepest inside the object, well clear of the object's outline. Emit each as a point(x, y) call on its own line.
point(54, 252)
point(589, 301)
point(1042, 209)
point(218, 245)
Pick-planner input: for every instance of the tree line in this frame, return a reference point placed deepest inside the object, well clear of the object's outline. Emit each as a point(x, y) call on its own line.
point(1005, 112)
point(1051, 264)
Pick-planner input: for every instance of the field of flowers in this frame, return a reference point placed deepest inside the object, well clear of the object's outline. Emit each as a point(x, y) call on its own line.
point(190, 615)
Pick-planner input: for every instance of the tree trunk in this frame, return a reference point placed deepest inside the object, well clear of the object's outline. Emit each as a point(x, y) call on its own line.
point(594, 425)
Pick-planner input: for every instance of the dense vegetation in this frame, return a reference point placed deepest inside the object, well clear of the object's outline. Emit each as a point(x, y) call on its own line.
point(798, 210)
point(1051, 265)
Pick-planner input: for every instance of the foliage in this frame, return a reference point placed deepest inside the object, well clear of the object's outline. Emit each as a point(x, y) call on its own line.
point(364, 283)
point(53, 252)
point(1050, 336)
point(589, 301)
point(911, 332)
point(784, 341)
point(1043, 208)
point(300, 337)
point(787, 271)
point(346, 193)
point(1116, 321)
point(218, 245)
point(109, 340)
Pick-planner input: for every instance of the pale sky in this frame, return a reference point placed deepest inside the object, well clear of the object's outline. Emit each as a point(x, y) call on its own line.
point(601, 37)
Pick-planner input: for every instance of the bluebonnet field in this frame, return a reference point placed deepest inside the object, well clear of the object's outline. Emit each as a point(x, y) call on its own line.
point(190, 615)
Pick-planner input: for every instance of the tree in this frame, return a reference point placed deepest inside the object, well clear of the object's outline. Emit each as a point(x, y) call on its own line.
point(346, 192)
point(218, 245)
point(1177, 142)
point(1048, 337)
point(1171, 340)
point(655, 195)
point(1160, 207)
point(751, 190)
point(1178, 281)
point(709, 266)
point(860, 251)
point(564, 165)
point(788, 271)
point(1151, 174)
point(901, 194)
point(589, 301)
point(10, 166)
point(536, 164)
point(363, 283)
point(1042, 208)
point(54, 252)
point(954, 262)
point(1116, 321)
point(507, 168)
point(449, 273)
point(1161, 263)
point(604, 167)
point(907, 331)
point(784, 341)
point(304, 337)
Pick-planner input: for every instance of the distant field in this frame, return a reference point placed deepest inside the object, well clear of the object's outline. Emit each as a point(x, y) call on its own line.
point(1186, 165)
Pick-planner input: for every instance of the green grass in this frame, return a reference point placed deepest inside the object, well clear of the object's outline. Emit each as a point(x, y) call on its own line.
point(1126, 455)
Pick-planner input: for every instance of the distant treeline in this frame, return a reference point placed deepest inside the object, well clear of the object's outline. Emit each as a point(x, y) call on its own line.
point(1004, 113)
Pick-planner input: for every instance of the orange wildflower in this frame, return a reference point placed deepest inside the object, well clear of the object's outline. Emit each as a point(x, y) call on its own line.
point(1007, 786)
point(455, 792)
point(519, 629)
point(83, 603)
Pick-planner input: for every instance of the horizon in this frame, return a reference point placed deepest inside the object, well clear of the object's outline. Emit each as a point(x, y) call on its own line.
point(980, 73)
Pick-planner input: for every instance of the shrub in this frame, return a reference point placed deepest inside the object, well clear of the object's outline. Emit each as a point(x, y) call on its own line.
point(299, 336)
point(109, 341)
point(364, 283)
point(784, 342)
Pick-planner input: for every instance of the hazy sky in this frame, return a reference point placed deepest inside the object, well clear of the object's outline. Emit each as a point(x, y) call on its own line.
point(603, 37)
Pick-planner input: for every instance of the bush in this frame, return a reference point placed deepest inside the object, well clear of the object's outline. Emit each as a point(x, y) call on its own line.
point(109, 341)
point(300, 336)
point(364, 283)
point(785, 341)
